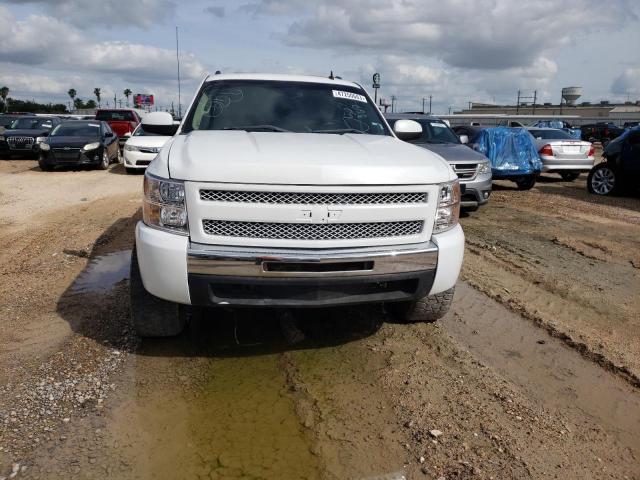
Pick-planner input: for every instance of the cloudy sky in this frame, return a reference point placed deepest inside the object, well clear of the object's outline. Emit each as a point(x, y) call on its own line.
point(456, 50)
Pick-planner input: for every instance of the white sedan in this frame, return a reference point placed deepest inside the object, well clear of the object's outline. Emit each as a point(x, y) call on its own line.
point(141, 148)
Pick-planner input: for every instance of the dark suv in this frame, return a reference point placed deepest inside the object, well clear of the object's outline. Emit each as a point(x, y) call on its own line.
point(24, 133)
point(600, 132)
point(621, 168)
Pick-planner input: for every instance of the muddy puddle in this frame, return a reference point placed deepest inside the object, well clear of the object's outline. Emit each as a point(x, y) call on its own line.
point(103, 272)
point(550, 372)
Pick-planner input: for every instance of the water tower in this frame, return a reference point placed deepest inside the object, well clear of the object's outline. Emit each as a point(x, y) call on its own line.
point(571, 94)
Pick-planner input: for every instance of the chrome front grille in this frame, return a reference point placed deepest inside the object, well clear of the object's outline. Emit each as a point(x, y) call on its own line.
point(313, 198)
point(465, 171)
point(311, 231)
point(20, 142)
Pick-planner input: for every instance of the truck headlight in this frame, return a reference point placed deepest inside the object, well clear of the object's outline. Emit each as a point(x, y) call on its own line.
point(44, 147)
point(164, 205)
point(131, 148)
point(2, 139)
point(40, 139)
point(448, 210)
point(484, 167)
point(91, 146)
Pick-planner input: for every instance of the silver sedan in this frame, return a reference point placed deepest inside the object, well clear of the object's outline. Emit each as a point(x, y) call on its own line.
point(561, 153)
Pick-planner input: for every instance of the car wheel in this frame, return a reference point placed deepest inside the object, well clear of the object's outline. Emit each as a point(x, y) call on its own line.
point(104, 164)
point(428, 309)
point(526, 183)
point(602, 179)
point(152, 316)
point(44, 166)
point(569, 176)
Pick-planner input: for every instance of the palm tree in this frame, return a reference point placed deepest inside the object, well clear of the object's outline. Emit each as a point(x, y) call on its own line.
point(96, 92)
point(78, 103)
point(4, 92)
point(72, 93)
point(127, 93)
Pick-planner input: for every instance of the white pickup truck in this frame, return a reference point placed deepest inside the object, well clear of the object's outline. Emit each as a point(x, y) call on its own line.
point(292, 191)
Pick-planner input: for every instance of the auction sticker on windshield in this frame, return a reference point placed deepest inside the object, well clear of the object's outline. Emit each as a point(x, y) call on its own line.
point(349, 96)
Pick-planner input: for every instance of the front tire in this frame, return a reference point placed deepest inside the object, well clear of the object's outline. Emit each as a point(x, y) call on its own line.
point(526, 183)
point(152, 316)
point(104, 163)
point(428, 309)
point(45, 167)
point(602, 179)
point(569, 176)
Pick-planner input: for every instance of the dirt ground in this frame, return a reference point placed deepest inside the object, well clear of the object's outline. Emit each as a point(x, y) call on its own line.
point(534, 374)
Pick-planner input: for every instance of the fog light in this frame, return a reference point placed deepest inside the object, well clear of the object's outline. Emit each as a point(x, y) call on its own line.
point(485, 195)
point(174, 217)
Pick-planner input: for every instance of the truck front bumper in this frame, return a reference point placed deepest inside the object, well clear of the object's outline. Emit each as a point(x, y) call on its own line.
point(175, 269)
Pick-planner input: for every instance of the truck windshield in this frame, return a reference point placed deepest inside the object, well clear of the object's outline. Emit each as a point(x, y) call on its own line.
point(115, 115)
point(283, 106)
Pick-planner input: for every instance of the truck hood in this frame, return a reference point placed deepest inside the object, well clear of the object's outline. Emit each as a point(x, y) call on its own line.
point(454, 152)
point(300, 159)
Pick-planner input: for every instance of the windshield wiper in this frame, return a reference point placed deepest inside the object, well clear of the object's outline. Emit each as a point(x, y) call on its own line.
point(259, 128)
point(340, 131)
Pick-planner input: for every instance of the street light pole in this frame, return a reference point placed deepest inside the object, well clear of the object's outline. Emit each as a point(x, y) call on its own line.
point(430, 97)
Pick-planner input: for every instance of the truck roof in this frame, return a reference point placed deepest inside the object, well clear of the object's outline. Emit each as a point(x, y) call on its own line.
point(280, 77)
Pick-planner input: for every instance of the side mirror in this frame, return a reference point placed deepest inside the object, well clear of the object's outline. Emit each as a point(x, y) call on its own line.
point(108, 135)
point(464, 139)
point(160, 123)
point(407, 130)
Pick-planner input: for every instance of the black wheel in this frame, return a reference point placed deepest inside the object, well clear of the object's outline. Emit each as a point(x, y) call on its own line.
point(569, 176)
point(104, 163)
point(130, 170)
point(44, 166)
point(428, 309)
point(526, 183)
point(152, 316)
point(602, 179)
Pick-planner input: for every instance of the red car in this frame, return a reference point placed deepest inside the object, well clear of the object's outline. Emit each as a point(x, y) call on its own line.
point(123, 121)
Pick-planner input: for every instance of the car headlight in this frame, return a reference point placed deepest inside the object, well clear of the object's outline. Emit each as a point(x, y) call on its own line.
point(164, 204)
point(2, 138)
point(131, 148)
point(44, 147)
point(40, 139)
point(448, 210)
point(91, 146)
point(484, 167)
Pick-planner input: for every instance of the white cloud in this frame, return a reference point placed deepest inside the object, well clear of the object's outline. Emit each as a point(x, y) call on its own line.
point(486, 34)
point(627, 83)
point(107, 13)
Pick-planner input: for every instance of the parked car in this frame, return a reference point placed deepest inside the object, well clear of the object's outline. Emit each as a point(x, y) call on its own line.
point(6, 121)
point(23, 135)
point(123, 121)
point(561, 153)
point(143, 145)
point(510, 151)
point(79, 142)
point(473, 168)
point(292, 191)
point(630, 125)
point(621, 167)
point(600, 132)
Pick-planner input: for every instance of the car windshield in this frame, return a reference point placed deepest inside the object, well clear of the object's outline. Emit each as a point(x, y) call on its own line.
point(277, 106)
point(434, 131)
point(551, 134)
point(111, 115)
point(88, 129)
point(30, 123)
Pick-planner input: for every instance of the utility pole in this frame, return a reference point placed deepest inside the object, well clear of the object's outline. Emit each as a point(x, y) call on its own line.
point(393, 103)
point(423, 99)
point(535, 97)
point(450, 107)
point(115, 103)
point(518, 103)
point(178, 60)
point(430, 97)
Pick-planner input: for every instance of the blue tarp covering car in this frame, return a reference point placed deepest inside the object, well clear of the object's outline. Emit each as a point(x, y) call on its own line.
point(510, 151)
